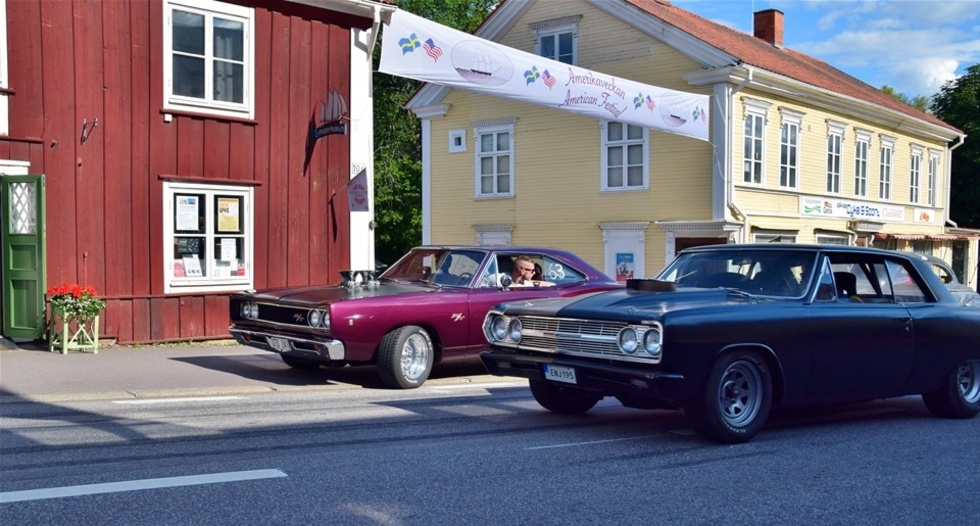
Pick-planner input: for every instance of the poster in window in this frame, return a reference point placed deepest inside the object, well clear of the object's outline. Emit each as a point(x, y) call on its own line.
point(187, 212)
point(188, 246)
point(229, 249)
point(228, 214)
point(192, 267)
point(624, 267)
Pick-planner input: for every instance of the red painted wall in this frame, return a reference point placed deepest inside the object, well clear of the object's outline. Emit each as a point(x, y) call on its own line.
point(74, 61)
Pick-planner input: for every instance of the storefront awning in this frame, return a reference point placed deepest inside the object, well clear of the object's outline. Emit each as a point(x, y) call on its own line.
point(420, 49)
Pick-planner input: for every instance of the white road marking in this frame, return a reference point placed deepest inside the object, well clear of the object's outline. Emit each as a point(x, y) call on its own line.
point(574, 444)
point(172, 400)
point(479, 386)
point(132, 485)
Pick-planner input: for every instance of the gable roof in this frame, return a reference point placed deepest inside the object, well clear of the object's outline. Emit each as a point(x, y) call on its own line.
point(752, 51)
point(713, 45)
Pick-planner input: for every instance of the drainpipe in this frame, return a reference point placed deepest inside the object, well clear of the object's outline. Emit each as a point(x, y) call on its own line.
point(731, 154)
point(949, 178)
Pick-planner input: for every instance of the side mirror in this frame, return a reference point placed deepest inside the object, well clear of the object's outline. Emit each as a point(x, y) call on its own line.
point(505, 281)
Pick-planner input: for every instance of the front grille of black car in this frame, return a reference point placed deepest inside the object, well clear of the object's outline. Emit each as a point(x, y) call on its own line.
point(590, 338)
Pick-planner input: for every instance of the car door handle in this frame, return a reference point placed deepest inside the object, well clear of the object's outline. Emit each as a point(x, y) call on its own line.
point(907, 321)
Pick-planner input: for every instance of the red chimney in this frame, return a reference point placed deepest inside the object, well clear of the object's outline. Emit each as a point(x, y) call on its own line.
point(768, 26)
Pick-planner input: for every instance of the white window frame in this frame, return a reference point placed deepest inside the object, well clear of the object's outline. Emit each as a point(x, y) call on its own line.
point(915, 174)
point(625, 144)
point(554, 29)
point(885, 164)
point(493, 128)
point(768, 236)
point(457, 141)
point(833, 239)
point(789, 149)
point(835, 156)
point(754, 169)
point(210, 9)
point(210, 280)
point(933, 178)
point(862, 151)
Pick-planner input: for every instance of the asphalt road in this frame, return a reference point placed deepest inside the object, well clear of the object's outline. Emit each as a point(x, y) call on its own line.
point(474, 450)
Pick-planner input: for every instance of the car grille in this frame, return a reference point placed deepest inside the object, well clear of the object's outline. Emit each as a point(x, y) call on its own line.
point(284, 316)
point(590, 338)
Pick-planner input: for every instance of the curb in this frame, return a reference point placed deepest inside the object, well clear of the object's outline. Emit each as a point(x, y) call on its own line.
point(191, 392)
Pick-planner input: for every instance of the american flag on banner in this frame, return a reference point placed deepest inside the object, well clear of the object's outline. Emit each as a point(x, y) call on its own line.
point(549, 79)
point(650, 103)
point(432, 49)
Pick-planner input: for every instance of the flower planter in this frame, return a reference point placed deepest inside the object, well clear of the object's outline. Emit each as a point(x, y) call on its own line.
point(67, 333)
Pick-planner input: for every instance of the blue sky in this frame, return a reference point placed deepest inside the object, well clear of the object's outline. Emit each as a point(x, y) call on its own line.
point(911, 45)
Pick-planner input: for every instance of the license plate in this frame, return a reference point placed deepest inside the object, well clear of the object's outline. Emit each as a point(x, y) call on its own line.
point(280, 344)
point(559, 373)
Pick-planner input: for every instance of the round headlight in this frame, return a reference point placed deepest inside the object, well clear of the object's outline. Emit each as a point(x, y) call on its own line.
point(313, 318)
point(652, 342)
point(498, 328)
point(515, 330)
point(245, 309)
point(628, 340)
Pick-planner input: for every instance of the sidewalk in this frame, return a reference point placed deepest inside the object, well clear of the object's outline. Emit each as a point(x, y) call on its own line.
point(118, 372)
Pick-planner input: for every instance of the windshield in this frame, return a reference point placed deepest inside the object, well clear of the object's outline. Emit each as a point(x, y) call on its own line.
point(437, 266)
point(763, 272)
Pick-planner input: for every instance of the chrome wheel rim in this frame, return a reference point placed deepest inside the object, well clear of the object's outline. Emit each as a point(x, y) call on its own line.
point(740, 396)
point(415, 357)
point(968, 382)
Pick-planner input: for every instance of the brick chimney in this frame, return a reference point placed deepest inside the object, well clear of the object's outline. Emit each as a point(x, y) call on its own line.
point(768, 26)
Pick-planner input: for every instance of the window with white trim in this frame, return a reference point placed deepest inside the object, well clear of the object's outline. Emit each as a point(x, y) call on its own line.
point(754, 142)
point(933, 178)
point(494, 160)
point(209, 57)
point(833, 239)
point(207, 237)
point(835, 143)
point(789, 149)
point(557, 42)
point(915, 170)
point(885, 168)
point(861, 148)
point(773, 237)
point(625, 149)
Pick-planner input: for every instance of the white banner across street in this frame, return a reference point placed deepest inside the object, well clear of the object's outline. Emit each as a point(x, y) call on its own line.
point(420, 49)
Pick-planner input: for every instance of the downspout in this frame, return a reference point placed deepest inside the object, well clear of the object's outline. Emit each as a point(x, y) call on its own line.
point(729, 168)
point(949, 178)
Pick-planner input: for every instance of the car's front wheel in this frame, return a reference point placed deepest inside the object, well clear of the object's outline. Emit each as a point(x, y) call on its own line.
point(960, 395)
point(299, 363)
point(561, 399)
point(405, 357)
point(736, 399)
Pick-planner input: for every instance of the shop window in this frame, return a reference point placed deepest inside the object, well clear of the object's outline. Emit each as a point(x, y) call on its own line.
point(208, 237)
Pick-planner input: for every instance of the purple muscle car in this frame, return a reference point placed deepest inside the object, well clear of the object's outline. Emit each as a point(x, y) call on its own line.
point(426, 308)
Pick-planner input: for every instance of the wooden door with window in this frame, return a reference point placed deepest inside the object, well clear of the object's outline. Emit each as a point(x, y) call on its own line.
point(22, 198)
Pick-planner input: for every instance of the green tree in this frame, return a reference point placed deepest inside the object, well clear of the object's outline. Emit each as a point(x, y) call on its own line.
point(958, 104)
point(919, 101)
point(397, 135)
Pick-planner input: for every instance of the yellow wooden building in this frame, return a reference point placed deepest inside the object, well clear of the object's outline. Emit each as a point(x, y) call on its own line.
point(799, 151)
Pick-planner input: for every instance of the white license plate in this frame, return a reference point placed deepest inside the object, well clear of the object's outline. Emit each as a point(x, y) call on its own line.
point(559, 373)
point(280, 344)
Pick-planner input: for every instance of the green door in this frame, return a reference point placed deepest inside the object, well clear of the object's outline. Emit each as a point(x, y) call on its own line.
point(22, 207)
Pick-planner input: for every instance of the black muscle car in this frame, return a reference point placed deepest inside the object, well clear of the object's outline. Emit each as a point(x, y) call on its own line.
point(729, 332)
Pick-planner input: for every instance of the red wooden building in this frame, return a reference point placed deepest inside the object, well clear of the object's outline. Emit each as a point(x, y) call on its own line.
point(189, 148)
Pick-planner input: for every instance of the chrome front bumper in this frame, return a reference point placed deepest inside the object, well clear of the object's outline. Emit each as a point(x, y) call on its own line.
point(319, 350)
